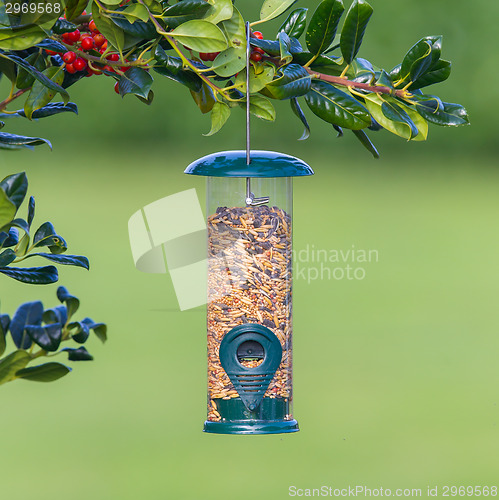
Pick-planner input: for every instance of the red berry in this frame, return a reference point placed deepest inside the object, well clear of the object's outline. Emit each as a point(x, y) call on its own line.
point(50, 52)
point(258, 34)
point(70, 68)
point(74, 36)
point(92, 26)
point(69, 57)
point(108, 68)
point(67, 39)
point(203, 56)
point(104, 45)
point(113, 57)
point(259, 50)
point(80, 64)
point(255, 56)
point(87, 43)
point(99, 40)
point(213, 55)
point(117, 87)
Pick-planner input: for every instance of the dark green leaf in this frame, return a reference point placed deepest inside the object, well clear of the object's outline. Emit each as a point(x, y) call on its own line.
point(74, 8)
point(138, 29)
point(452, 115)
point(366, 142)
point(43, 79)
point(29, 313)
point(7, 257)
point(135, 81)
point(53, 45)
point(295, 106)
point(436, 74)
point(20, 38)
point(62, 26)
point(48, 372)
point(8, 68)
point(72, 303)
point(354, 28)
point(172, 68)
point(395, 113)
point(204, 98)
point(11, 364)
point(323, 25)
point(40, 95)
point(80, 354)
point(100, 329)
point(294, 82)
point(4, 328)
point(108, 28)
point(323, 64)
point(79, 331)
point(284, 47)
point(195, 8)
point(15, 187)
point(53, 108)
point(31, 210)
point(46, 236)
point(47, 337)
point(66, 260)
point(20, 140)
point(337, 107)
point(9, 240)
point(295, 23)
point(273, 47)
point(32, 275)
point(58, 314)
point(421, 57)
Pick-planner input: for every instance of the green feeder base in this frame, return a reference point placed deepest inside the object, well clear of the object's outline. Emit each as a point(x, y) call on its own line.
point(251, 427)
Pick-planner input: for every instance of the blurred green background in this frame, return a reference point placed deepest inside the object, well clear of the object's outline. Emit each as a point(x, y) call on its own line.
point(396, 376)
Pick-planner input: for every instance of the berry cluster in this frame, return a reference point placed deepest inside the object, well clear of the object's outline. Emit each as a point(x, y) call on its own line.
point(256, 52)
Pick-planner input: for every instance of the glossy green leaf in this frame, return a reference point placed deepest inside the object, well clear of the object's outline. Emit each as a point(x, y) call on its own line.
point(201, 36)
point(80, 354)
point(322, 64)
point(391, 117)
point(48, 372)
point(74, 8)
point(134, 11)
point(47, 337)
point(65, 260)
point(323, 25)
point(204, 99)
point(418, 120)
point(337, 107)
point(274, 8)
point(108, 28)
point(139, 30)
point(79, 331)
point(366, 142)
point(50, 44)
point(273, 48)
point(32, 275)
point(100, 329)
point(46, 236)
point(294, 82)
point(234, 30)
point(186, 8)
point(7, 256)
point(25, 79)
point(63, 26)
point(72, 303)
point(39, 76)
point(21, 39)
point(219, 115)
point(4, 327)
point(257, 81)
point(419, 59)
point(295, 23)
point(29, 313)
point(284, 47)
point(230, 61)
point(354, 28)
point(8, 68)
point(54, 108)
point(261, 108)
point(451, 115)
point(295, 106)
point(436, 74)
point(7, 209)
point(11, 364)
point(15, 186)
point(135, 81)
point(20, 140)
point(40, 95)
point(220, 11)
point(172, 68)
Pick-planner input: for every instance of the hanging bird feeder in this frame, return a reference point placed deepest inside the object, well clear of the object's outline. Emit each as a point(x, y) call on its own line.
point(249, 307)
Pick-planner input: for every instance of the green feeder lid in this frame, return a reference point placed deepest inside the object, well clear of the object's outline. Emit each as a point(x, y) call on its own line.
point(263, 164)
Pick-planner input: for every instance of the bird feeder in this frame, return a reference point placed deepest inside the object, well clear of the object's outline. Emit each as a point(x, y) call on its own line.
point(249, 303)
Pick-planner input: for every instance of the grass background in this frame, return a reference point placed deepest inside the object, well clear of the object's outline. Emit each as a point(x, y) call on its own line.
point(396, 376)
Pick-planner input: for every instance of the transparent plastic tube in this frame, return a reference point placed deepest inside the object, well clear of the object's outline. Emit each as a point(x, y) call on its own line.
point(249, 282)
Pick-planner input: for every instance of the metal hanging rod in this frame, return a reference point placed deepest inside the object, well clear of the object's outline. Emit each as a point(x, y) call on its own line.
point(251, 200)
